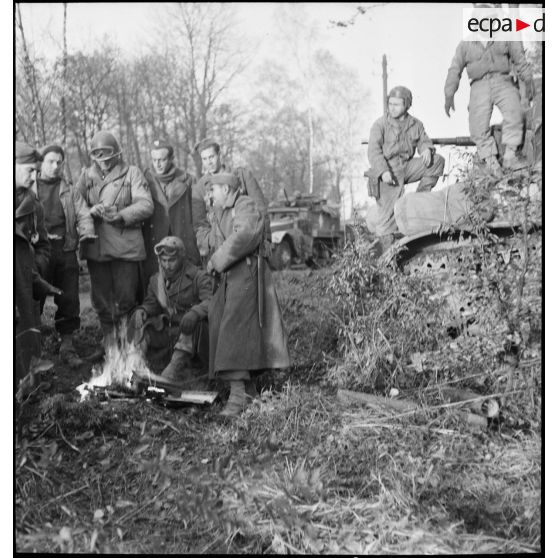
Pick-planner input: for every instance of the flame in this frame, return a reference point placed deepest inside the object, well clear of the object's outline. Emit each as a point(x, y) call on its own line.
point(122, 358)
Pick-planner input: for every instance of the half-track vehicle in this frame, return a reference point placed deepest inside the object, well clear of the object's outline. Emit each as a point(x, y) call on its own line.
point(304, 229)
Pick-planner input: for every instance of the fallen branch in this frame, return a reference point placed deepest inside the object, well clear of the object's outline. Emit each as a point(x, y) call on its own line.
point(404, 406)
point(64, 438)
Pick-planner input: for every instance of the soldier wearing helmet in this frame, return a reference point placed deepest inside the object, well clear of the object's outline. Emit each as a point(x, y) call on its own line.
point(119, 201)
point(172, 320)
point(394, 139)
point(171, 190)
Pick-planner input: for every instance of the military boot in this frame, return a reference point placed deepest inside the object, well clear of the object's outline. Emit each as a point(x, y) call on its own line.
point(493, 167)
point(179, 369)
point(511, 161)
point(68, 354)
point(237, 401)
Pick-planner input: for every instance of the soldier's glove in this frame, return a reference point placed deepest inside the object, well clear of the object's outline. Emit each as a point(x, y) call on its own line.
point(189, 322)
point(530, 89)
point(426, 157)
point(97, 211)
point(449, 105)
point(140, 315)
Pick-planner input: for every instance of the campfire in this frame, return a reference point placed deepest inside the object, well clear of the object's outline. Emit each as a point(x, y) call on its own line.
point(125, 372)
point(123, 358)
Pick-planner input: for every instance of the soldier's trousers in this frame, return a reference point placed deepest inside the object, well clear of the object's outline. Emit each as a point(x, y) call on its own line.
point(499, 90)
point(63, 272)
point(412, 171)
point(114, 289)
point(162, 340)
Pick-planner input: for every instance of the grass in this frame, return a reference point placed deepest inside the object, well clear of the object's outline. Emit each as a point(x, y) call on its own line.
point(300, 472)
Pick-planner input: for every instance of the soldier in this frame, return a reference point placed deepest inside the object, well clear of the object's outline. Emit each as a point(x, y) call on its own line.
point(394, 138)
point(246, 332)
point(66, 216)
point(210, 153)
point(173, 314)
point(119, 200)
point(31, 253)
point(489, 64)
point(171, 190)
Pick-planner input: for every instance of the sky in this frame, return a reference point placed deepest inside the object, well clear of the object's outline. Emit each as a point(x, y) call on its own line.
point(418, 55)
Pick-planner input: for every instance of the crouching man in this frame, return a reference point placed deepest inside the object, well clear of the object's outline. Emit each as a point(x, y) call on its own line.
point(246, 332)
point(172, 320)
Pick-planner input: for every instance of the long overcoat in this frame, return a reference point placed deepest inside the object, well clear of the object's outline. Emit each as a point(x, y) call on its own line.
point(172, 216)
point(126, 188)
point(236, 339)
point(28, 227)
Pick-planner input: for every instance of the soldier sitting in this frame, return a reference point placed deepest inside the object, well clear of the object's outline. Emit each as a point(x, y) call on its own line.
point(173, 315)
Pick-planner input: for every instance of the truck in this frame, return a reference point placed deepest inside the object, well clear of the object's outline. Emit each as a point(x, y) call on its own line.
point(304, 229)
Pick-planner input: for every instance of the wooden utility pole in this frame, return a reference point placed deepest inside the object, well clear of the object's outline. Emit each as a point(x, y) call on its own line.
point(384, 82)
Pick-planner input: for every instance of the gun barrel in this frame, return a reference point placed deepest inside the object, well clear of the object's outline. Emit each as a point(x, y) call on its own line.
point(462, 141)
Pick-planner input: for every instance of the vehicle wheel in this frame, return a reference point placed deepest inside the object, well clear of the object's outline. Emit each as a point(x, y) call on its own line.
point(282, 256)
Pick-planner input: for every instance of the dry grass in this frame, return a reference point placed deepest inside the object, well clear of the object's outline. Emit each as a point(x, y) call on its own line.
point(299, 472)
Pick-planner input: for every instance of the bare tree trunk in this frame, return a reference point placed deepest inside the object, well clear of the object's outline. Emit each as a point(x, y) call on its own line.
point(29, 77)
point(310, 151)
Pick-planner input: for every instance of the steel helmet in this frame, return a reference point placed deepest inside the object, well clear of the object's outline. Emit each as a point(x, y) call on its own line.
point(402, 92)
point(104, 141)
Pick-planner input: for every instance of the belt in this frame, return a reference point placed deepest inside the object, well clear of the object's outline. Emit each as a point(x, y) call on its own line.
point(54, 237)
point(490, 75)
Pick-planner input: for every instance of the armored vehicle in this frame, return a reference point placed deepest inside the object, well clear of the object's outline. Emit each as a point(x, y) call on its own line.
point(304, 229)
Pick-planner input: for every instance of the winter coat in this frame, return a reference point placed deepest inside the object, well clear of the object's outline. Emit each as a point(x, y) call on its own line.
point(248, 186)
point(29, 287)
point(392, 143)
point(190, 291)
point(236, 339)
point(172, 216)
point(126, 188)
point(79, 222)
point(496, 57)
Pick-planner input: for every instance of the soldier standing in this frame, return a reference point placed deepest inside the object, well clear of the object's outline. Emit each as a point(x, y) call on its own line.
point(66, 217)
point(31, 252)
point(210, 153)
point(119, 200)
point(171, 190)
point(246, 332)
point(489, 64)
point(394, 138)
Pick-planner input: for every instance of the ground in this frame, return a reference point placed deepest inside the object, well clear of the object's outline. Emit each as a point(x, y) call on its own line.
point(301, 471)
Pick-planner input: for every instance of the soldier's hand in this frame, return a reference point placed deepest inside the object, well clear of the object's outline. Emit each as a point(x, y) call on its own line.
point(426, 157)
point(54, 291)
point(116, 219)
point(449, 105)
point(387, 178)
point(210, 268)
point(97, 210)
point(140, 315)
point(188, 322)
point(88, 237)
